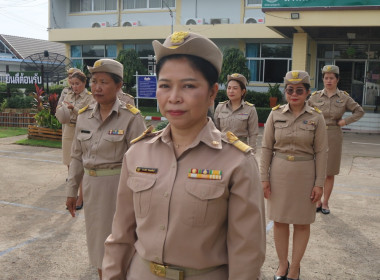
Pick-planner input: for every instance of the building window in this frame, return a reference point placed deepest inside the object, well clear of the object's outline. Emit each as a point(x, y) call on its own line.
point(268, 63)
point(111, 51)
point(76, 51)
point(93, 51)
point(253, 2)
point(145, 4)
point(77, 6)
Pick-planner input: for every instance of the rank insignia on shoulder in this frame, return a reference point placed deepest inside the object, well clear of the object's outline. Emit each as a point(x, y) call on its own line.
point(83, 109)
point(147, 170)
point(317, 110)
point(249, 104)
point(89, 92)
point(132, 109)
point(116, 132)
point(223, 102)
point(232, 139)
point(208, 174)
point(275, 108)
point(346, 93)
point(314, 92)
point(143, 135)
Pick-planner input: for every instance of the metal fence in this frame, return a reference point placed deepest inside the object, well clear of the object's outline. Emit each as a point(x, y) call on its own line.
point(17, 119)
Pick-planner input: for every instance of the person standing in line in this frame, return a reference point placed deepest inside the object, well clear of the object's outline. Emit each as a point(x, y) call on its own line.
point(103, 134)
point(184, 209)
point(333, 103)
point(67, 89)
point(67, 113)
point(125, 97)
point(293, 166)
point(237, 115)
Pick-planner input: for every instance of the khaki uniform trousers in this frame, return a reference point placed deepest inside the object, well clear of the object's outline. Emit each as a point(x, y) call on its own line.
point(67, 141)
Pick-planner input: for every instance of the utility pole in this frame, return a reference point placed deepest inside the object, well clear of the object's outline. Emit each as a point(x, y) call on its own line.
point(170, 11)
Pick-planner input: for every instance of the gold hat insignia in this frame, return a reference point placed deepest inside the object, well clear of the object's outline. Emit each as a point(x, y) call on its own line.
point(235, 75)
point(295, 74)
point(328, 68)
point(98, 63)
point(179, 37)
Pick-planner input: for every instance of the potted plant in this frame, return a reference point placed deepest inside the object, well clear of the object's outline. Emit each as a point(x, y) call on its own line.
point(275, 94)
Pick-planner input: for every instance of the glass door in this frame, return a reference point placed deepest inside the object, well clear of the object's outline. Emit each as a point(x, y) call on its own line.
point(352, 78)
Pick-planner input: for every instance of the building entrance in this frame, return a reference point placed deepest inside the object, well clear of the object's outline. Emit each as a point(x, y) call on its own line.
point(352, 78)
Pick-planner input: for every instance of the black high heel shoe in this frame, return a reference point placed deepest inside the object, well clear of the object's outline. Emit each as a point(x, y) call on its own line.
point(299, 273)
point(275, 277)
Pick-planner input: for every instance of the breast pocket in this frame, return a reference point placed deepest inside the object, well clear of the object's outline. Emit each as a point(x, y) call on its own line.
point(307, 132)
point(142, 193)
point(204, 203)
point(280, 130)
point(85, 141)
point(114, 145)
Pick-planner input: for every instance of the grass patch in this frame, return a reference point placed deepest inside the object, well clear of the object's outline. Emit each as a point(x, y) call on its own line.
point(12, 131)
point(40, 143)
point(150, 111)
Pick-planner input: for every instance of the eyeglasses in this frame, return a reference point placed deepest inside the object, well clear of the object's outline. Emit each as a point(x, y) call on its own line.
point(299, 91)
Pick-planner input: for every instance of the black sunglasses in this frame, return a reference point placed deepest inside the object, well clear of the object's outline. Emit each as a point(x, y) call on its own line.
point(299, 91)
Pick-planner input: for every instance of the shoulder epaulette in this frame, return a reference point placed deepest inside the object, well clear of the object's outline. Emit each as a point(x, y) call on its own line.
point(83, 109)
point(346, 93)
point(131, 96)
point(275, 108)
point(223, 102)
point(315, 92)
point(132, 109)
point(249, 104)
point(232, 139)
point(317, 110)
point(89, 92)
point(146, 133)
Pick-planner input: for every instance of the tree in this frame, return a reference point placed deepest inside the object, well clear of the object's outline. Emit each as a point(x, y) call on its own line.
point(131, 63)
point(234, 61)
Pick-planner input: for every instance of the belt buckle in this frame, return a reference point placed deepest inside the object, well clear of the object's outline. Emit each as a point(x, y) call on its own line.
point(158, 269)
point(290, 158)
point(92, 172)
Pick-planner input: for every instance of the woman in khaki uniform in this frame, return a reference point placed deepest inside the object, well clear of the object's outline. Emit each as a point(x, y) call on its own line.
point(237, 115)
point(333, 103)
point(103, 134)
point(184, 209)
point(293, 165)
point(67, 113)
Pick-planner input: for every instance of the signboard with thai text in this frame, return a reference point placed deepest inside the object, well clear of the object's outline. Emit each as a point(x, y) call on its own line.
point(146, 86)
point(23, 79)
point(317, 3)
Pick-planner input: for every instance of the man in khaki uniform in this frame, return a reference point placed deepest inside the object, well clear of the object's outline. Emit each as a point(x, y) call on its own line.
point(98, 148)
point(334, 103)
point(243, 121)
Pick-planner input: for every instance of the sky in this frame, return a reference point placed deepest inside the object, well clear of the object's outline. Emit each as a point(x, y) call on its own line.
point(24, 18)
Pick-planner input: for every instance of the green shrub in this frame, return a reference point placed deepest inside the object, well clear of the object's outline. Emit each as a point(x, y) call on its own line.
point(161, 125)
point(20, 101)
point(45, 119)
point(56, 89)
point(262, 114)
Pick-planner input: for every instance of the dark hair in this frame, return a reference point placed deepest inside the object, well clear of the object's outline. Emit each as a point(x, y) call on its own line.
point(80, 76)
point(242, 85)
point(307, 86)
point(208, 70)
point(336, 75)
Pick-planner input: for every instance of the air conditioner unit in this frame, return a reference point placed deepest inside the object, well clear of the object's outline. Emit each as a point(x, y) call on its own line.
point(131, 23)
point(248, 20)
point(195, 21)
point(100, 24)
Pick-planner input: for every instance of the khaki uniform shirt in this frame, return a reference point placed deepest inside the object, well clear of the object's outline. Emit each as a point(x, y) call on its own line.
point(101, 144)
point(78, 101)
point(243, 122)
point(188, 222)
point(126, 98)
point(304, 135)
point(334, 107)
point(64, 92)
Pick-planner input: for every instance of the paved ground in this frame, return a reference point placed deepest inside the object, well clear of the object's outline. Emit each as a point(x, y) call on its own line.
point(40, 240)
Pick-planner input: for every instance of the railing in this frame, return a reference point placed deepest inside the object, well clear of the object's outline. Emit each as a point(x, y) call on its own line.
point(16, 119)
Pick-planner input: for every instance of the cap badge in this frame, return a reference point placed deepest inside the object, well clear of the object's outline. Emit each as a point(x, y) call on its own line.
point(178, 38)
point(98, 63)
point(295, 74)
point(328, 68)
point(235, 75)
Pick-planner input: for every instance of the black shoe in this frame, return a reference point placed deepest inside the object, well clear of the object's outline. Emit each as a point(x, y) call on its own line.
point(319, 209)
point(325, 211)
point(299, 272)
point(78, 207)
point(282, 277)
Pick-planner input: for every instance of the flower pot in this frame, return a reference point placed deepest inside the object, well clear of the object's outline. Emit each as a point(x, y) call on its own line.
point(272, 101)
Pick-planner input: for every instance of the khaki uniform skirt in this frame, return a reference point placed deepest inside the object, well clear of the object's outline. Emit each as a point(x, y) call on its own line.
point(99, 200)
point(291, 186)
point(139, 270)
point(334, 140)
point(67, 141)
